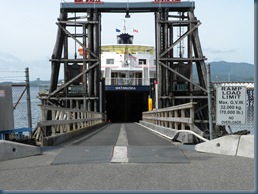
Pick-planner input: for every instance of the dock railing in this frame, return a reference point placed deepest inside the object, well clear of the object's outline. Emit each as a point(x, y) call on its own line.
point(175, 117)
point(64, 120)
point(178, 119)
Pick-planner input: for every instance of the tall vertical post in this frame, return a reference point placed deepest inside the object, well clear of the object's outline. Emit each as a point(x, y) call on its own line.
point(96, 47)
point(100, 97)
point(28, 97)
point(65, 63)
point(90, 77)
point(209, 101)
point(158, 68)
point(85, 88)
point(166, 45)
point(190, 55)
point(56, 55)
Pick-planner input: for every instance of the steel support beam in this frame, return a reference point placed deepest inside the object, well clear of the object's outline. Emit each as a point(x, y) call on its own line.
point(178, 50)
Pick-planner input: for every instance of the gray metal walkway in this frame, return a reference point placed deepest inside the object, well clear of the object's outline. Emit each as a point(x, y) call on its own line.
point(121, 143)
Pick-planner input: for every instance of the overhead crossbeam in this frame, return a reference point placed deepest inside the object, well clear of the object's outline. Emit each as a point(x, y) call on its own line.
point(121, 7)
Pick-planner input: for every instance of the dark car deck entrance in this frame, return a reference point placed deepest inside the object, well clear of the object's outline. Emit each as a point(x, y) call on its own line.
point(126, 106)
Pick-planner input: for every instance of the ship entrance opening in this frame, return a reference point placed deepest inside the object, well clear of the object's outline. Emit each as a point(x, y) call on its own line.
point(126, 106)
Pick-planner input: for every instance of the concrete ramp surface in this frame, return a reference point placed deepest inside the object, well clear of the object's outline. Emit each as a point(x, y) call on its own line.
point(12, 150)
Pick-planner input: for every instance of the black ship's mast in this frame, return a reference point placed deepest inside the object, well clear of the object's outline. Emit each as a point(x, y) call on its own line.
point(124, 38)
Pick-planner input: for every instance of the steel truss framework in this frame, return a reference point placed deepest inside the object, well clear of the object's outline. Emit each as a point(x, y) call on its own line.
point(178, 49)
point(174, 69)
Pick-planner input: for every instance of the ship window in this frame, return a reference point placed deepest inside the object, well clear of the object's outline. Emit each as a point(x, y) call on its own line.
point(138, 75)
point(142, 61)
point(113, 74)
point(122, 75)
point(110, 61)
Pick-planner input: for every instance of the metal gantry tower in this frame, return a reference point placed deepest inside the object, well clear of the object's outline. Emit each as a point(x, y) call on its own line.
point(79, 27)
point(81, 75)
point(175, 68)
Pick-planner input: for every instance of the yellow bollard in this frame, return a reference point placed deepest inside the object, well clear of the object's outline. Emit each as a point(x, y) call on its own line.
point(149, 104)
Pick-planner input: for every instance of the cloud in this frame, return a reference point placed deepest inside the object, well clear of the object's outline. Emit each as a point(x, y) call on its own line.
point(7, 58)
point(12, 68)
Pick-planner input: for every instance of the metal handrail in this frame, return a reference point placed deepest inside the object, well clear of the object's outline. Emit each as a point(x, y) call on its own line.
point(64, 120)
point(172, 117)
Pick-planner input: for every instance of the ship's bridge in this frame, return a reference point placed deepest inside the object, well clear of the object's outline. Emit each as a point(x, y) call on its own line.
point(126, 48)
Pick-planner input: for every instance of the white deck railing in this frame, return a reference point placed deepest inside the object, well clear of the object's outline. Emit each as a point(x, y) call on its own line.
point(175, 117)
point(128, 81)
point(64, 120)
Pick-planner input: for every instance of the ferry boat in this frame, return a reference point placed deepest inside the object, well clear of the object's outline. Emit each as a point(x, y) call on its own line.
point(129, 71)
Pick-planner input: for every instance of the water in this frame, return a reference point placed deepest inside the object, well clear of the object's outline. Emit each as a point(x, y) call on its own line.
point(35, 109)
point(20, 112)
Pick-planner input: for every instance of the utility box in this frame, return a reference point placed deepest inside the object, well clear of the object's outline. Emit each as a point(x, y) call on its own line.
point(6, 108)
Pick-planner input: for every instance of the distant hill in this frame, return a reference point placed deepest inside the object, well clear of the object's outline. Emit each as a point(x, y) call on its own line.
point(230, 71)
point(36, 83)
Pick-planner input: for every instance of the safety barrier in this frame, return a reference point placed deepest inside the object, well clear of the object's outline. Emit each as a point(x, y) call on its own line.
point(174, 121)
point(175, 117)
point(12, 150)
point(234, 145)
point(64, 120)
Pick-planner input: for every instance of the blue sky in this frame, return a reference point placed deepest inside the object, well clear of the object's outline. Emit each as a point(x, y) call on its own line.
point(28, 32)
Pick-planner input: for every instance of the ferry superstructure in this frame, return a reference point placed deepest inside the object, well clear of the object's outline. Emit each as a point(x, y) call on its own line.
point(128, 70)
